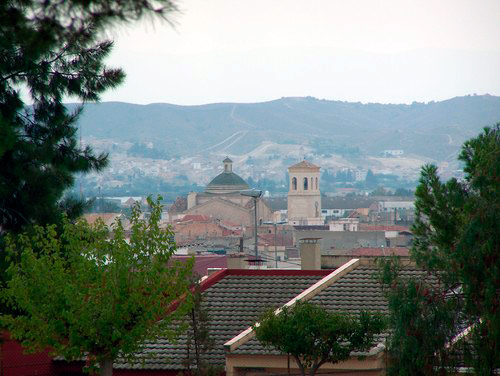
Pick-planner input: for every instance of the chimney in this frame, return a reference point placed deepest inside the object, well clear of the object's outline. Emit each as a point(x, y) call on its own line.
point(237, 261)
point(310, 253)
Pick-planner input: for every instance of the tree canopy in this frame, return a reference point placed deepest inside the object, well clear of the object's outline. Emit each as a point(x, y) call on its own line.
point(314, 336)
point(89, 292)
point(51, 51)
point(457, 240)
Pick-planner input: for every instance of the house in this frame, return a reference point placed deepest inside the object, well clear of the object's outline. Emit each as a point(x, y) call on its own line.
point(344, 224)
point(196, 227)
point(273, 246)
point(107, 218)
point(349, 289)
point(234, 299)
point(393, 153)
point(334, 240)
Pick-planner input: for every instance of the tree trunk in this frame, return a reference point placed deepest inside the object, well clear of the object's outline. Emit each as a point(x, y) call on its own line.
point(301, 366)
point(195, 335)
point(106, 367)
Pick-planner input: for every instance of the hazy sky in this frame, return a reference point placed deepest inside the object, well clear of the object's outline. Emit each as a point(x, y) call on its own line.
point(395, 51)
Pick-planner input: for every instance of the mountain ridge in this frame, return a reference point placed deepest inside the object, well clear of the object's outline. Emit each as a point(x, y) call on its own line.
point(433, 130)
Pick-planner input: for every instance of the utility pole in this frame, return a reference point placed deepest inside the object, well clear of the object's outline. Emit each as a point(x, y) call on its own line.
point(275, 245)
point(255, 194)
point(255, 224)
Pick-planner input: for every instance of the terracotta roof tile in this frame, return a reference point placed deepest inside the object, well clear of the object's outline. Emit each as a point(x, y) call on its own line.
point(304, 164)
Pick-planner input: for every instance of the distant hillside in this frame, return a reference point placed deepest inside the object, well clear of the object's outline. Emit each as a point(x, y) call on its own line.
point(433, 130)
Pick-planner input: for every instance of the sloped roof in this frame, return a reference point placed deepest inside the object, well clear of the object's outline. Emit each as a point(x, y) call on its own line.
point(269, 239)
point(203, 262)
point(107, 218)
point(179, 205)
point(234, 300)
point(195, 218)
point(304, 165)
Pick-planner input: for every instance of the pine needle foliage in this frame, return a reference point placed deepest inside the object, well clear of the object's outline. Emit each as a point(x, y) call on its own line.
point(50, 51)
point(457, 243)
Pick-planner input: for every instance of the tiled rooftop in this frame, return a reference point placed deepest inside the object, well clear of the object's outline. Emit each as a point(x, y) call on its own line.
point(356, 291)
point(234, 303)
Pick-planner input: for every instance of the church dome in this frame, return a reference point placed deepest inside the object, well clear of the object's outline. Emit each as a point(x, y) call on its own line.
point(227, 181)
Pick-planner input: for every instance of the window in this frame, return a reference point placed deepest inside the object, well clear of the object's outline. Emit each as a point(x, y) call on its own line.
point(317, 184)
point(294, 184)
point(305, 184)
point(312, 183)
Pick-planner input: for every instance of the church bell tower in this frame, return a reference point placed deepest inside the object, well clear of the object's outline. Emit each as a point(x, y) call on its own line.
point(304, 196)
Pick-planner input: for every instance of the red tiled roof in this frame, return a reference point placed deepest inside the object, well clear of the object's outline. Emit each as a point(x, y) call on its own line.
point(304, 164)
point(378, 252)
point(230, 224)
point(107, 218)
point(195, 218)
point(179, 205)
point(203, 262)
point(268, 239)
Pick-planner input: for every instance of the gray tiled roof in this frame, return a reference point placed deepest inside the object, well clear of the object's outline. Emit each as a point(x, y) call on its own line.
point(358, 290)
point(234, 303)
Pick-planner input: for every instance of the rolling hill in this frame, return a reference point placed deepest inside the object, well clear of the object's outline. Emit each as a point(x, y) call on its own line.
point(433, 130)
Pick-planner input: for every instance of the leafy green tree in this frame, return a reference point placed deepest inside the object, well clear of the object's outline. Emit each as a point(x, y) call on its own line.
point(457, 240)
point(50, 51)
point(313, 336)
point(91, 293)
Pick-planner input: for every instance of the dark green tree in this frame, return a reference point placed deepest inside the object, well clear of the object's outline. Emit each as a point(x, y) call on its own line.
point(457, 242)
point(371, 180)
point(314, 336)
point(101, 205)
point(379, 191)
point(403, 192)
point(51, 51)
point(422, 319)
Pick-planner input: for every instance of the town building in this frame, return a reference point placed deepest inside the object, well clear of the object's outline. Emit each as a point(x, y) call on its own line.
point(222, 200)
point(344, 224)
point(393, 153)
point(304, 196)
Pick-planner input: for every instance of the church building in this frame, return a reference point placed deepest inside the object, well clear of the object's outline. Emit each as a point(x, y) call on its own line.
point(222, 200)
point(304, 196)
